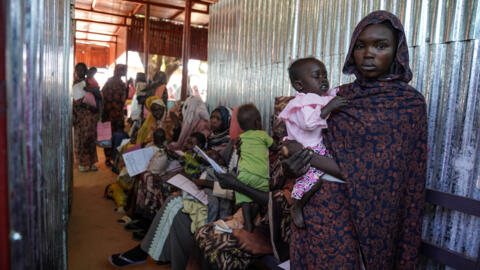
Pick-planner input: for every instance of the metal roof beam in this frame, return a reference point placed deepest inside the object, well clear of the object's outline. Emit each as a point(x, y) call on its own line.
point(176, 15)
point(95, 33)
point(165, 6)
point(94, 40)
point(100, 22)
point(136, 9)
point(101, 12)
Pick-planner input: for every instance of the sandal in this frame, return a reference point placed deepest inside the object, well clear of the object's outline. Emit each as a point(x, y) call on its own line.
point(134, 226)
point(118, 260)
point(82, 168)
point(124, 220)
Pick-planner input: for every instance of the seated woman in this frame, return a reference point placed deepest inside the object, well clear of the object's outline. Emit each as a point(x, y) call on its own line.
point(195, 119)
point(149, 195)
point(219, 125)
point(142, 137)
point(154, 120)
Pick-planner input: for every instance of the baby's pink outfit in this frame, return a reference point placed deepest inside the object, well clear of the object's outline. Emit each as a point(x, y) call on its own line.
point(304, 125)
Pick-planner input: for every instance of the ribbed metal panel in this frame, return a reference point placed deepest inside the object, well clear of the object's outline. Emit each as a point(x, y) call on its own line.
point(251, 44)
point(39, 67)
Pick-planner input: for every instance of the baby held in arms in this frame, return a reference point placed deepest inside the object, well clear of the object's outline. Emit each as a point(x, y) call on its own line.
point(305, 117)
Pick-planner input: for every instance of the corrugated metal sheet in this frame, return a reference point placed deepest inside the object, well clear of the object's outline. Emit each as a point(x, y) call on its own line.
point(251, 44)
point(39, 67)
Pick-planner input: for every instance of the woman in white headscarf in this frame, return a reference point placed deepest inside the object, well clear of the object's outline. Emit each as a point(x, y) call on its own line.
point(195, 119)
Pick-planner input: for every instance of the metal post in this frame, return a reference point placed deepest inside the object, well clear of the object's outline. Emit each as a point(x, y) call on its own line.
point(186, 47)
point(126, 49)
point(116, 48)
point(146, 38)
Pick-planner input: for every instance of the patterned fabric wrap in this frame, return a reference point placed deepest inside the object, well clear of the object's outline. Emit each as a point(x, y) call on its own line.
point(225, 251)
point(379, 142)
point(305, 182)
point(152, 193)
point(150, 196)
point(85, 133)
point(114, 96)
point(279, 130)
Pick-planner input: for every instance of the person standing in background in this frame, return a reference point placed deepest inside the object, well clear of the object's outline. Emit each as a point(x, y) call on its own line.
point(114, 96)
point(85, 117)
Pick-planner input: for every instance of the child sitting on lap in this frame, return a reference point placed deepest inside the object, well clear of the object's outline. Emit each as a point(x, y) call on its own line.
point(253, 162)
point(305, 117)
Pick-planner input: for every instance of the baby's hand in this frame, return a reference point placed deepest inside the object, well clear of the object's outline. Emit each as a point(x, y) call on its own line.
point(333, 105)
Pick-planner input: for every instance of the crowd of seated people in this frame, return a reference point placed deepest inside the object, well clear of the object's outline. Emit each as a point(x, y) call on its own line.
point(174, 226)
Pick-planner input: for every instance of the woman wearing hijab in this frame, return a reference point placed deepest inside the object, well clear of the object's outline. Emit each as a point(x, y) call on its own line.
point(378, 144)
point(195, 119)
point(220, 125)
point(154, 120)
point(85, 117)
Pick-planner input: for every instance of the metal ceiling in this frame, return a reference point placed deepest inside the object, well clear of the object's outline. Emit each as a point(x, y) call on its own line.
point(99, 21)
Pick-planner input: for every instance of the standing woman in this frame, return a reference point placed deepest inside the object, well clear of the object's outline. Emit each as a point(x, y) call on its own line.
point(114, 95)
point(85, 117)
point(378, 143)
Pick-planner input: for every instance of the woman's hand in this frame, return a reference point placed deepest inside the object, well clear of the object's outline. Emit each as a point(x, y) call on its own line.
point(216, 157)
point(293, 147)
point(226, 180)
point(299, 163)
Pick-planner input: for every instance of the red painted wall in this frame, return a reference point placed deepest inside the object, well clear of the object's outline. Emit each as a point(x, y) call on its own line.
point(4, 242)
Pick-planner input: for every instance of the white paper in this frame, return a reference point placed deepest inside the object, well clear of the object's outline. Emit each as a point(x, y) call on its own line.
point(188, 186)
point(173, 165)
point(137, 161)
point(212, 162)
point(285, 265)
point(124, 141)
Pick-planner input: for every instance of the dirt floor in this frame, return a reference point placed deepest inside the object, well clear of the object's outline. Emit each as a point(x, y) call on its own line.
point(93, 232)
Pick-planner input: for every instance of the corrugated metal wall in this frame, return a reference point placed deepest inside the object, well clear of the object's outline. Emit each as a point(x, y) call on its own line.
point(39, 67)
point(251, 44)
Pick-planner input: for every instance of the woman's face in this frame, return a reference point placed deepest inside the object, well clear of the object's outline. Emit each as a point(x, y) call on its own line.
point(216, 121)
point(374, 51)
point(157, 111)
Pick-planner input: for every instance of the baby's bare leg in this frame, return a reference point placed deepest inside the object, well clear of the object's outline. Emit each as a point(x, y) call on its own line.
point(297, 208)
point(249, 211)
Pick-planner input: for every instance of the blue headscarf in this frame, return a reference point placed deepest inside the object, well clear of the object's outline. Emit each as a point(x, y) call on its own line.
point(226, 115)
